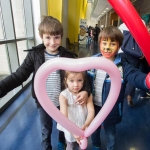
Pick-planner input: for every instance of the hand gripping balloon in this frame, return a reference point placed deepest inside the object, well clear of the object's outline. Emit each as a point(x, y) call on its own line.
point(77, 65)
point(130, 17)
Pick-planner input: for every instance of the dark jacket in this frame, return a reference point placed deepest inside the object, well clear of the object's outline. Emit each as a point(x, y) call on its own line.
point(31, 64)
point(129, 74)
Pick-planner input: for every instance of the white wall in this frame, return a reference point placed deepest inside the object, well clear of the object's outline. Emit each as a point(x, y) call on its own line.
point(88, 16)
point(39, 8)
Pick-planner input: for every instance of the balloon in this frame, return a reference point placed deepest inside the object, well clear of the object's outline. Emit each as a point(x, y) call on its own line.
point(77, 65)
point(84, 143)
point(130, 17)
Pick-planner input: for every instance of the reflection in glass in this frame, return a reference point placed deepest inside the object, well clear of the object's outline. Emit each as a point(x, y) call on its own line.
point(4, 65)
point(19, 21)
point(22, 46)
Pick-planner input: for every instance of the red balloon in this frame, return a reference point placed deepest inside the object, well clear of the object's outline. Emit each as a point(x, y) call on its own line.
point(131, 18)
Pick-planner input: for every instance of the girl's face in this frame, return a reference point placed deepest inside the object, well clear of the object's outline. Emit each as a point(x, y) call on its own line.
point(75, 82)
point(109, 48)
point(52, 43)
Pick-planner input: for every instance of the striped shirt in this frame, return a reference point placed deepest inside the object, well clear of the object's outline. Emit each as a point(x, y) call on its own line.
point(53, 83)
point(98, 85)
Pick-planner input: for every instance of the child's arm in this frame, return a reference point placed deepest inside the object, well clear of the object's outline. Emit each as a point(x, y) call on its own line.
point(63, 105)
point(91, 113)
point(83, 95)
point(134, 76)
point(17, 78)
point(89, 118)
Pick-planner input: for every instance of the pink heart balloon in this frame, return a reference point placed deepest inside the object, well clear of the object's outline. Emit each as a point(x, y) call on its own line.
point(77, 65)
point(130, 17)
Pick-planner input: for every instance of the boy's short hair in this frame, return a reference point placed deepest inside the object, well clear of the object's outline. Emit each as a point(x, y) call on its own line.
point(50, 25)
point(113, 33)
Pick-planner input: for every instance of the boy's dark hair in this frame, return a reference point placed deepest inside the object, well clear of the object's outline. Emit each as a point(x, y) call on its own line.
point(50, 25)
point(113, 33)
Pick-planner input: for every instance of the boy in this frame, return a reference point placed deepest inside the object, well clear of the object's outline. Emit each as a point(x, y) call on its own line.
point(132, 59)
point(51, 32)
point(110, 41)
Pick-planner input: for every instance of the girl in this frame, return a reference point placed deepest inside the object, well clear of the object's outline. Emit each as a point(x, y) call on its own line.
point(81, 115)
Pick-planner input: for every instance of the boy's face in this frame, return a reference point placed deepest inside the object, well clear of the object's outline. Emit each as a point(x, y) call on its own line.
point(51, 42)
point(109, 48)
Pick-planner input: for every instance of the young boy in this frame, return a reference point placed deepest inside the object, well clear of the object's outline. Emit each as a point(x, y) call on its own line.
point(51, 32)
point(132, 59)
point(110, 41)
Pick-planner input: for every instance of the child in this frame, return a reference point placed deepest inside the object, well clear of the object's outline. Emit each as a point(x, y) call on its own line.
point(81, 115)
point(110, 41)
point(92, 36)
point(51, 32)
point(132, 59)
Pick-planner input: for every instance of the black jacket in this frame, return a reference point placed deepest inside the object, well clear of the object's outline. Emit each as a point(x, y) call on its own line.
point(31, 64)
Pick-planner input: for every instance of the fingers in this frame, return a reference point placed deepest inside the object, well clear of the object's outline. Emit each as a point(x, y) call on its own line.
point(80, 101)
point(78, 139)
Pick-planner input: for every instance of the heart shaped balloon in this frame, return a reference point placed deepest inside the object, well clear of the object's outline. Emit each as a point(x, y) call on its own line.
point(130, 17)
point(77, 65)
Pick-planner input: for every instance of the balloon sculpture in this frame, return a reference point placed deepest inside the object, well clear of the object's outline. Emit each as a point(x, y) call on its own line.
point(77, 65)
point(130, 17)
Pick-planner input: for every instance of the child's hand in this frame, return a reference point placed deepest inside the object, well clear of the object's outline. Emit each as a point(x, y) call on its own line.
point(78, 138)
point(84, 127)
point(148, 80)
point(82, 98)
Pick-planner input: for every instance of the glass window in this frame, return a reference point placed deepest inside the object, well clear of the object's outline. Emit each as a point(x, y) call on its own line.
point(22, 46)
point(15, 23)
point(4, 69)
point(1, 28)
point(19, 21)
